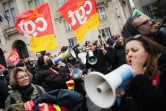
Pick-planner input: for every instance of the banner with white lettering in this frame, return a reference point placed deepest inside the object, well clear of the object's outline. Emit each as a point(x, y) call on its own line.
point(81, 15)
point(37, 23)
point(14, 58)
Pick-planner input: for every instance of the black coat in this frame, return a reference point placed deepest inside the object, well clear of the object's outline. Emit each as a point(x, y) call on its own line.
point(141, 95)
point(101, 65)
point(118, 56)
point(110, 42)
point(3, 92)
point(49, 80)
point(160, 38)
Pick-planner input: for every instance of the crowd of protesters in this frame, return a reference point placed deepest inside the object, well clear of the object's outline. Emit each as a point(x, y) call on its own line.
point(140, 45)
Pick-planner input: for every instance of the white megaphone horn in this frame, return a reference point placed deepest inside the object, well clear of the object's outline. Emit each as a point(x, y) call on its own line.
point(68, 53)
point(91, 59)
point(101, 89)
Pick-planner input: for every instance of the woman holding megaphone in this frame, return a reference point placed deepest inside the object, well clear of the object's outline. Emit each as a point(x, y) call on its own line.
point(146, 91)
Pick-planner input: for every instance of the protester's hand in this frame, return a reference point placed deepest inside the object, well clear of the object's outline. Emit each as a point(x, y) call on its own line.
point(120, 93)
point(107, 45)
point(137, 66)
point(104, 52)
point(62, 64)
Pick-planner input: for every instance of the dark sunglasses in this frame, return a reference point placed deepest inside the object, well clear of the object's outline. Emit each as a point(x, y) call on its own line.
point(147, 22)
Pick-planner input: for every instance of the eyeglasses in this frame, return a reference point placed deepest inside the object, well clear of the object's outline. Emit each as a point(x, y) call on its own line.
point(22, 77)
point(147, 22)
point(137, 36)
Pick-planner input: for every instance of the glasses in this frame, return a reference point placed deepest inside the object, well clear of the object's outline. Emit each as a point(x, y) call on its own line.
point(22, 77)
point(147, 22)
point(137, 36)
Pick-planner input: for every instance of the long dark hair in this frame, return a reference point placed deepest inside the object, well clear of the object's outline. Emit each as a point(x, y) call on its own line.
point(153, 49)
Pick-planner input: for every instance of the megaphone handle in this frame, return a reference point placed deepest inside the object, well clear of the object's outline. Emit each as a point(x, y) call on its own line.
point(120, 89)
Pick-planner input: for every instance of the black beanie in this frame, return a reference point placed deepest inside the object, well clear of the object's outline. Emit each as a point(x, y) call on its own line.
point(20, 64)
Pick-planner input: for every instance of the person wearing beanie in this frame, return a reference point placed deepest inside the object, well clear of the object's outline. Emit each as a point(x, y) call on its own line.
point(49, 77)
point(3, 90)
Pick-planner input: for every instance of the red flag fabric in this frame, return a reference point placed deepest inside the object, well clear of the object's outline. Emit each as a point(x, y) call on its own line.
point(14, 58)
point(37, 23)
point(81, 15)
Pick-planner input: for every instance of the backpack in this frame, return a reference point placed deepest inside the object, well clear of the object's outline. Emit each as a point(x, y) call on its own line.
point(69, 99)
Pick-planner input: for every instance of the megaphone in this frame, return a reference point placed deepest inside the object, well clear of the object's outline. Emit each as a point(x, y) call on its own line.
point(76, 73)
point(101, 89)
point(68, 53)
point(92, 59)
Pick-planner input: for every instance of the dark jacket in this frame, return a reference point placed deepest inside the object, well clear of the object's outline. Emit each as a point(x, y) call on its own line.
point(141, 95)
point(49, 80)
point(163, 29)
point(110, 42)
point(101, 65)
point(3, 92)
point(71, 100)
point(160, 38)
point(118, 56)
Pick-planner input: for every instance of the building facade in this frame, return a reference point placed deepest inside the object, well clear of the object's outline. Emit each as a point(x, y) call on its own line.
point(146, 6)
point(112, 13)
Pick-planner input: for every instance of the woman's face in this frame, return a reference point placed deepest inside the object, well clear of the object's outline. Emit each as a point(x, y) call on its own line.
point(134, 49)
point(23, 79)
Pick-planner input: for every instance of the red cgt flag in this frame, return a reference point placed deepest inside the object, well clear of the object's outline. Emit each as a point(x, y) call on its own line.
point(14, 58)
point(37, 23)
point(81, 15)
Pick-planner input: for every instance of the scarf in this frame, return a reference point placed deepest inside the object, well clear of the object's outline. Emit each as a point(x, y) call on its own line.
point(26, 92)
point(155, 79)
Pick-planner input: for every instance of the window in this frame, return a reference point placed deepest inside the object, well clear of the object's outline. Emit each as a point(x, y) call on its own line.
point(61, 2)
point(67, 25)
point(22, 49)
point(10, 12)
point(102, 13)
point(148, 10)
point(33, 3)
point(106, 31)
point(72, 41)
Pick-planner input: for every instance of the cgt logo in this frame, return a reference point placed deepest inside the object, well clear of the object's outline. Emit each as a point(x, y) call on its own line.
point(14, 57)
point(80, 14)
point(34, 27)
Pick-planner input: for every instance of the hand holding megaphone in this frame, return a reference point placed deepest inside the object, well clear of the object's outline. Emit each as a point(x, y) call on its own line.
point(68, 53)
point(101, 89)
point(104, 52)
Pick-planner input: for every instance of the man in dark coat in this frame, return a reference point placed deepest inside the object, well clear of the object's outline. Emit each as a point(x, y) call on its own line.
point(3, 90)
point(102, 58)
point(118, 56)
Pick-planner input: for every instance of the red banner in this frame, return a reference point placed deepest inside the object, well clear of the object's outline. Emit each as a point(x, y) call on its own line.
point(37, 23)
point(81, 15)
point(2, 67)
point(14, 58)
